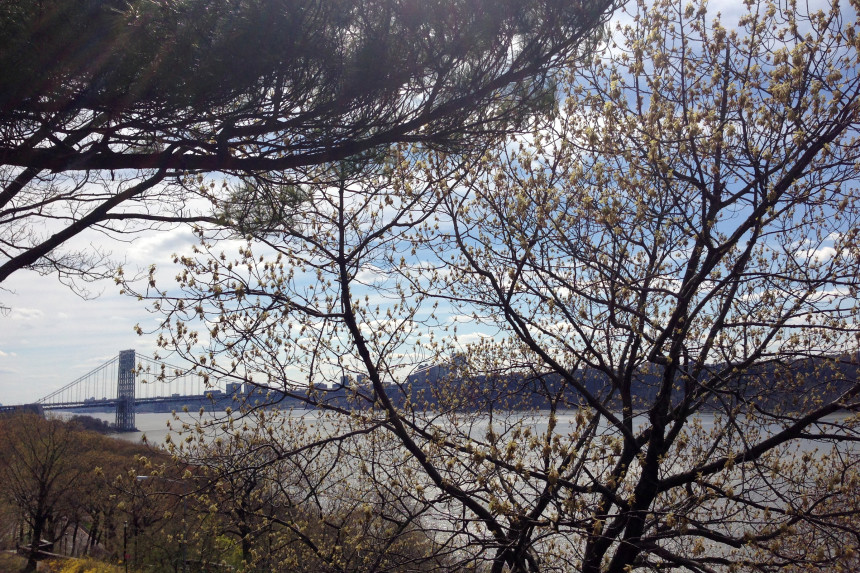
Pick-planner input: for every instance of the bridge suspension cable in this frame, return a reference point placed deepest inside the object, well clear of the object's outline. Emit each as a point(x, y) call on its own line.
point(154, 375)
point(153, 379)
point(99, 383)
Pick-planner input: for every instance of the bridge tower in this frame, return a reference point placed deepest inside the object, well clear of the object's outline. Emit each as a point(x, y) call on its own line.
point(125, 391)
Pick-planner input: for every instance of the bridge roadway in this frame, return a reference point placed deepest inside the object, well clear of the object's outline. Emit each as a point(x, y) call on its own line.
point(93, 403)
point(193, 401)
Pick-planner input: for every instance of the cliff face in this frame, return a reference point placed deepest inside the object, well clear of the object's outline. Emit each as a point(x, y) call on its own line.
point(795, 386)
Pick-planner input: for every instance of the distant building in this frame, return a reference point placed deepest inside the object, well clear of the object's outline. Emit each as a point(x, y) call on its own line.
point(346, 381)
point(24, 408)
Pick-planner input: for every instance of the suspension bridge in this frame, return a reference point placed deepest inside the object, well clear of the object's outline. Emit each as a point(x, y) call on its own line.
point(127, 381)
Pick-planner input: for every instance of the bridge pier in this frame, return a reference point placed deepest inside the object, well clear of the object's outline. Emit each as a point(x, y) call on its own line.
point(125, 391)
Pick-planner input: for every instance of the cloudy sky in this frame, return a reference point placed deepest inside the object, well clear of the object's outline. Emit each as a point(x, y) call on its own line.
point(51, 336)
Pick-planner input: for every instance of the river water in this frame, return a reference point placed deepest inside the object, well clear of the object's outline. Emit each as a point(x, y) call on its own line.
point(154, 427)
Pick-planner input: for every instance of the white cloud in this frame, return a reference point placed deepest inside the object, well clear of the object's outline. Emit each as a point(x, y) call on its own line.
point(160, 246)
point(370, 274)
point(469, 338)
point(820, 255)
point(26, 314)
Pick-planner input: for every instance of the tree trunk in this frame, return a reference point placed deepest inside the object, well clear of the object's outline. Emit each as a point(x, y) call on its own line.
point(38, 528)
